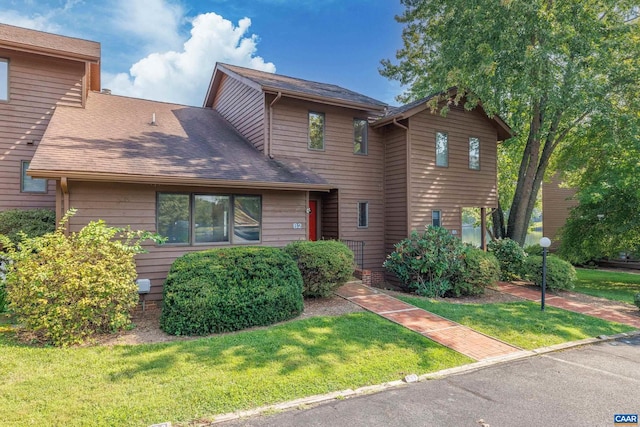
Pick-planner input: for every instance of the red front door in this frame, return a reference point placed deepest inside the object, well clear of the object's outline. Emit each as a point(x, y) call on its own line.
point(313, 220)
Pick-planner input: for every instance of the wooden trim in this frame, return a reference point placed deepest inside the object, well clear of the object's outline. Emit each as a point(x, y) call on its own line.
point(324, 100)
point(48, 52)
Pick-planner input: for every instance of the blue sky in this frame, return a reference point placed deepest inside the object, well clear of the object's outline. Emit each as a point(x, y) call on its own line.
point(166, 49)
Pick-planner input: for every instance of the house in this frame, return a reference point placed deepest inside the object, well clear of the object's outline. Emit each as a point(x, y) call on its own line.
point(557, 202)
point(267, 160)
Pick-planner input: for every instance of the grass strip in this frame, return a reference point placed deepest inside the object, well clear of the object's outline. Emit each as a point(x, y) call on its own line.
point(607, 284)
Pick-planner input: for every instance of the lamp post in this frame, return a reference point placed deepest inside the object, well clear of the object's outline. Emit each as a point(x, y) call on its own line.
point(545, 242)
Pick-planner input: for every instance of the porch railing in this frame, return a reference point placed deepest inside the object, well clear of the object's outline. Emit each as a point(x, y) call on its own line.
point(357, 247)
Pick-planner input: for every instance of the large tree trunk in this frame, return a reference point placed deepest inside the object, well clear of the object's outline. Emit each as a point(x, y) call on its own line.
point(497, 222)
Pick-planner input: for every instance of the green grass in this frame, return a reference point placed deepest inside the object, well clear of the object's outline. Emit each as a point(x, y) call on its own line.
point(187, 380)
point(522, 323)
point(607, 284)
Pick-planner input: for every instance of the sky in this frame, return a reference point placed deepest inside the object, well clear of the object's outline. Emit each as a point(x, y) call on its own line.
point(165, 50)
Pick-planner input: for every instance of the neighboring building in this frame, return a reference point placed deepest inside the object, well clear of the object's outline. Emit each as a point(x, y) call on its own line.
point(557, 201)
point(269, 159)
point(38, 72)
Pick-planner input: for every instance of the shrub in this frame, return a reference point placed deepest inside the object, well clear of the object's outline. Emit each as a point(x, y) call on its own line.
point(636, 299)
point(3, 275)
point(427, 263)
point(534, 249)
point(480, 270)
point(560, 274)
point(220, 290)
point(324, 265)
point(33, 223)
point(67, 288)
point(510, 256)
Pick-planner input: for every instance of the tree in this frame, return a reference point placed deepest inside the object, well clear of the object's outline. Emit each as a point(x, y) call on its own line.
point(546, 66)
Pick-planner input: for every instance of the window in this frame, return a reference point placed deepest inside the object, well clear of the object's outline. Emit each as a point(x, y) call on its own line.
point(363, 214)
point(442, 149)
point(208, 218)
point(31, 185)
point(474, 153)
point(360, 136)
point(316, 131)
point(4, 79)
point(436, 218)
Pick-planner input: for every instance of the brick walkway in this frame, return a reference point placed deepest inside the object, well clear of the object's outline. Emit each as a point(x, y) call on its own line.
point(565, 304)
point(453, 335)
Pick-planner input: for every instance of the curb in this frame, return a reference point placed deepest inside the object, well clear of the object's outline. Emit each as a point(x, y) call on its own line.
point(306, 402)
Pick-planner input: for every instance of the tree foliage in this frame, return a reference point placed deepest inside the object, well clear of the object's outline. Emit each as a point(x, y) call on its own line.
point(545, 66)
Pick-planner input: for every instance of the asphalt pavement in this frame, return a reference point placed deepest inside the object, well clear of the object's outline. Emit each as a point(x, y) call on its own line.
point(584, 386)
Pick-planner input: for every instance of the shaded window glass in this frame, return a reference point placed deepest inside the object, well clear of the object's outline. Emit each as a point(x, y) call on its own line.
point(474, 153)
point(363, 214)
point(247, 219)
point(316, 131)
point(360, 136)
point(436, 218)
point(173, 217)
point(442, 149)
point(31, 185)
point(211, 217)
point(4, 80)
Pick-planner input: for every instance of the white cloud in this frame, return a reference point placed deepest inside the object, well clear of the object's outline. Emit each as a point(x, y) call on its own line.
point(37, 22)
point(183, 77)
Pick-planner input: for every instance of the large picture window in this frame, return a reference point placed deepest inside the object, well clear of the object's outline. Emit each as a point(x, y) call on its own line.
point(316, 131)
point(442, 149)
point(188, 218)
point(474, 153)
point(4, 79)
point(360, 136)
point(31, 185)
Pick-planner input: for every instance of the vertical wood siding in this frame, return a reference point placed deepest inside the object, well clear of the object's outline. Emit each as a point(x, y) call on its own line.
point(243, 107)
point(556, 204)
point(448, 189)
point(135, 205)
point(357, 177)
point(395, 189)
point(36, 86)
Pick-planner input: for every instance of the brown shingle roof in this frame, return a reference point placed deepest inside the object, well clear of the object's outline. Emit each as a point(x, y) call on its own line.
point(113, 138)
point(48, 44)
point(270, 82)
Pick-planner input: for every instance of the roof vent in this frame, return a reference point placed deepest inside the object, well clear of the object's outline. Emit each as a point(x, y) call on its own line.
point(153, 120)
point(106, 91)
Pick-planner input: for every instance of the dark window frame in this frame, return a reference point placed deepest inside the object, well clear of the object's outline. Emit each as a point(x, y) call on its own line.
point(24, 177)
point(324, 130)
point(231, 222)
point(364, 144)
point(471, 165)
point(446, 153)
point(364, 204)
point(436, 218)
point(5, 83)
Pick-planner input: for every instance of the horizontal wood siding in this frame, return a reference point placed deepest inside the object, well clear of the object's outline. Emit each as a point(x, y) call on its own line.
point(556, 204)
point(36, 85)
point(135, 205)
point(448, 189)
point(395, 187)
point(358, 178)
point(243, 107)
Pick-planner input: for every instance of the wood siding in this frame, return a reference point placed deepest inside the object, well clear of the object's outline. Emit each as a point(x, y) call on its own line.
point(358, 178)
point(135, 205)
point(244, 108)
point(556, 205)
point(395, 188)
point(36, 85)
point(448, 189)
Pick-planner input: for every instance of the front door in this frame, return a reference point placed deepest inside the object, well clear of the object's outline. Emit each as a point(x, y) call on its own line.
point(313, 220)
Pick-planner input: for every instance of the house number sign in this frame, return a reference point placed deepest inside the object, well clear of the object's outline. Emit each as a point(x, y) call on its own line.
point(297, 226)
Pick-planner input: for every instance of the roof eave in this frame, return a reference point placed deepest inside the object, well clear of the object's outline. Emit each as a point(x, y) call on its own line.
point(323, 100)
point(49, 52)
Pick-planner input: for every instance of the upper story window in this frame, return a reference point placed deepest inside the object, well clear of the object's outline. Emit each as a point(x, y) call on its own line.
point(442, 149)
point(474, 153)
point(4, 79)
point(436, 218)
point(316, 131)
point(363, 214)
point(360, 136)
point(31, 185)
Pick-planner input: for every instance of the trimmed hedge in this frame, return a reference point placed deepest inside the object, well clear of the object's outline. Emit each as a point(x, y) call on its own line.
point(221, 290)
point(511, 257)
point(325, 265)
point(480, 270)
point(32, 222)
point(560, 274)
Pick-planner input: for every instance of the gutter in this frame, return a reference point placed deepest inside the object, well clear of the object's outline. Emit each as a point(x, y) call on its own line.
point(408, 171)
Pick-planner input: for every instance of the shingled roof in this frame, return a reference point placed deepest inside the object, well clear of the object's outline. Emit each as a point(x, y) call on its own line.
point(34, 41)
point(291, 86)
point(114, 139)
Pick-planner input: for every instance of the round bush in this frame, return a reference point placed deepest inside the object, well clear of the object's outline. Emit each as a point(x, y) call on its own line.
point(534, 249)
point(32, 222)
point(560, 274)
point(325, 265)
point(221, 290)
point(510, 256)
point(480, 270)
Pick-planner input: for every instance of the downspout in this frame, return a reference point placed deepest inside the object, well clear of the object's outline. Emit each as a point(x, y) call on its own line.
point(64, 186)
point(408, 177)
point(269, 144)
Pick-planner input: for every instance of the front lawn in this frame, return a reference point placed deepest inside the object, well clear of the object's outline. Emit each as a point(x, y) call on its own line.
point(187, 380)
point(522, 323)
point(606, 284)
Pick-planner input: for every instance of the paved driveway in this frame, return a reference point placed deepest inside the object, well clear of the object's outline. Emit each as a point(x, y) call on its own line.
point(580, 387)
